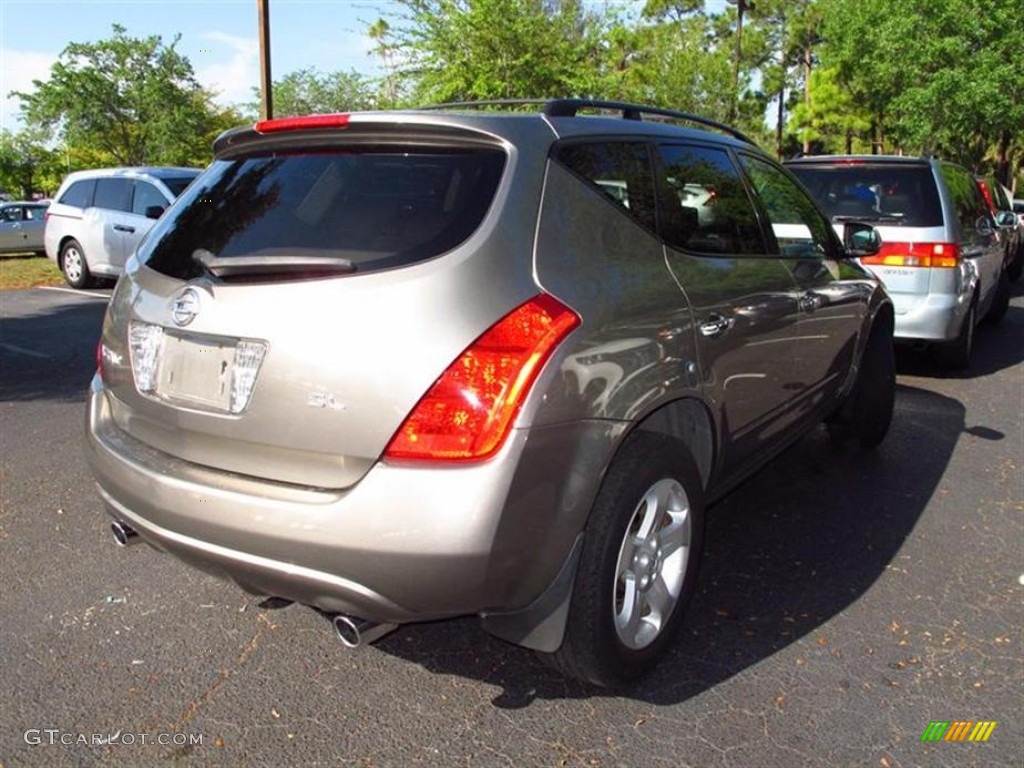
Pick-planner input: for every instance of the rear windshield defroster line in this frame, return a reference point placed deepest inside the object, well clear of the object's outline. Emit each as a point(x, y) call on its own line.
point(368, 209)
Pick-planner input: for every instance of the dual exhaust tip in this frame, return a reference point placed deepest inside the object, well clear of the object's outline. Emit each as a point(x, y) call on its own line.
point(352, 631)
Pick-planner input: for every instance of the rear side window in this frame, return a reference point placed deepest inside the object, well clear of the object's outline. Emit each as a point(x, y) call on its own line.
point(969, 205)
point(79, 194)
point(113, 194)
point(706, 206)
point(619, 170)
point(884, 192)
point(370, 208)
point(35, 212)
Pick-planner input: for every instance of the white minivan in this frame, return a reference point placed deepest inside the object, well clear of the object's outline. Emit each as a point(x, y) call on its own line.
point(99, 217)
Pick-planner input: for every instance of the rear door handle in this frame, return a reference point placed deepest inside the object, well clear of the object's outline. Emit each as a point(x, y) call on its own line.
point(715, 326)
point(123, 228)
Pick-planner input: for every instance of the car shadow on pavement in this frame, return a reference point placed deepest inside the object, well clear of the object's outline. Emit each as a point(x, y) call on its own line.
point(995, 348)
point(50, 355)
point(794, 546)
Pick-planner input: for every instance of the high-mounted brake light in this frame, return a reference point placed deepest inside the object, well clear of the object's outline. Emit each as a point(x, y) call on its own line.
point(916, 255)
point(468, 412)
point(305, 122)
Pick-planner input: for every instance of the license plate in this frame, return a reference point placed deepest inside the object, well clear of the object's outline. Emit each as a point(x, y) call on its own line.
point(196, 371)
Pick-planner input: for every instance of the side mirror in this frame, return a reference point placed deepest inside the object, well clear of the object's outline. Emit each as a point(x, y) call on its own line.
point(154, 211)
point(861, 240)
point(1006, 219)
point(984, 225)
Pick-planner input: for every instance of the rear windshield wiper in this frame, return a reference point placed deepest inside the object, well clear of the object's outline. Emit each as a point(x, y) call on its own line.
point(872, 217)
point(273, 261)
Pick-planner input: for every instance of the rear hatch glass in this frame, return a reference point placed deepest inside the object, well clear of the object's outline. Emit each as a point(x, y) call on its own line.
point(332, 211)
point(882, 192)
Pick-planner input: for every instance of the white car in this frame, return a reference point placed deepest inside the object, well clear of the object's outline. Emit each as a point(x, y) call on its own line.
point(99, 218)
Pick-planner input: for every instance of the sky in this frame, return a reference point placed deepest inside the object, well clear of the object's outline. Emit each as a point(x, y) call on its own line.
point(219, 37)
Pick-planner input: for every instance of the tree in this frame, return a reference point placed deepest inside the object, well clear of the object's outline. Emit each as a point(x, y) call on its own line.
point(135, 100)
point(492, 49)
point(26, 165)
point(309, 92)
point(938, 75)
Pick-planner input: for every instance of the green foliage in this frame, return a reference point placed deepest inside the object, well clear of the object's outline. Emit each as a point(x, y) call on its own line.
point(26, 165)
point(308, 92)
point(134, 100)
point(456, 50)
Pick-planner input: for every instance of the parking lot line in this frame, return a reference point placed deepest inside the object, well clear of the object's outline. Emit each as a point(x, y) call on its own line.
point(75, 292)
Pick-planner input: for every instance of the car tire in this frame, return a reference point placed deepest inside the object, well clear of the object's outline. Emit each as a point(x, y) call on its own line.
point(74, 266)
point(639, 563)
point(1000, 302)
point(867, 413)
point(957, 354)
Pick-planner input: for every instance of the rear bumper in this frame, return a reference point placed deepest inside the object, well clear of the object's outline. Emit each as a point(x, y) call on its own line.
point(404, 544)
point(937, 315)
point(936, 318)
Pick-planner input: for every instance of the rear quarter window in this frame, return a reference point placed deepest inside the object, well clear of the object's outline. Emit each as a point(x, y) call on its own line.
point(79, 194)
point(374, 208)
point(618, 170)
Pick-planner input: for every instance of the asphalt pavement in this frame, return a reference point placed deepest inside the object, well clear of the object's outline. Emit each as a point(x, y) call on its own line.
point(846, 602)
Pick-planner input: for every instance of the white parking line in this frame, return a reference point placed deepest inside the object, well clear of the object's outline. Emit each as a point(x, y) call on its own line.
point(23, 351)
point(75, 292)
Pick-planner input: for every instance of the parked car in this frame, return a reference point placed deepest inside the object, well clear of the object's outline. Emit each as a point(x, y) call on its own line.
point(423, 364)
point(99, 217)
point(941, 259)
point(1011, 227)
point(21, 227)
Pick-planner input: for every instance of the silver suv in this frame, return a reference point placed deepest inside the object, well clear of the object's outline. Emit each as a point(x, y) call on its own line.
point(941, 259)
point(99, 217)
point(403, 366)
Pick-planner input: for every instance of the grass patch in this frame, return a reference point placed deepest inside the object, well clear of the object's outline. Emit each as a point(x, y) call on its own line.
point(28, 271)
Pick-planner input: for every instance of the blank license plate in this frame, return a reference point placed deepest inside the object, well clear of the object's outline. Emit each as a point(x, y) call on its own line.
point(196, 371)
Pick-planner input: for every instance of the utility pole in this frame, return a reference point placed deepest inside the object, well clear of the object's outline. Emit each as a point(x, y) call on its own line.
point(742, 6)
point(266, 84)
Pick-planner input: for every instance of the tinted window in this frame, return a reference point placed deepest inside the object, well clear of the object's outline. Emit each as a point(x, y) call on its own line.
point(620, 171)
point(864, 191)
point(373, 208)
point(113, 194)
point(11, 213)
point(968, 203)
point(705, 206)
point(79, 194)
point(798, 225)
point(35, 212)
point(177, 185)
point(145, 196)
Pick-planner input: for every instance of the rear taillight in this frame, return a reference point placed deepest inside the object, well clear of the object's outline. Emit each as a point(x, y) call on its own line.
point(304, 122)
point(915, 255)
point(468, 412)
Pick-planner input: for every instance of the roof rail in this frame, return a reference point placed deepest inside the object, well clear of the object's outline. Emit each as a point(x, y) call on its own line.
point(484, 103)
point(570, 107)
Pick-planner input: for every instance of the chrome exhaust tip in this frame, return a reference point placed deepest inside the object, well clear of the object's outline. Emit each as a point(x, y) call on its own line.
point(124, 534)
point(354, 632)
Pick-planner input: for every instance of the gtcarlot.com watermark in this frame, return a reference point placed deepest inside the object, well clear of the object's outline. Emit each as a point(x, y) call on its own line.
point(53, 737)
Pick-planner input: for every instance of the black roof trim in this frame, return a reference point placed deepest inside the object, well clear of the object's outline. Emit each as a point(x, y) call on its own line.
point(571, 107)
